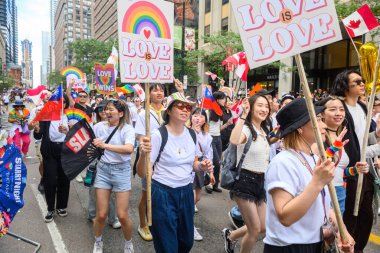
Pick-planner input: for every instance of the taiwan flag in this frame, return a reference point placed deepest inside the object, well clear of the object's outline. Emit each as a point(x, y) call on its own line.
point(360, 22)
point(209, 102)
point(52, 110)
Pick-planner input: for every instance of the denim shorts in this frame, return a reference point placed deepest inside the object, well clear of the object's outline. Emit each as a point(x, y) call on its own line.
point(115, 177)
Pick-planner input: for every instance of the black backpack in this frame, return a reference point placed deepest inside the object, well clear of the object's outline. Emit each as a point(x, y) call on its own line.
point(230, 171)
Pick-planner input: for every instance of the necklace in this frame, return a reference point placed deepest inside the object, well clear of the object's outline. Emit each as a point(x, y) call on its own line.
point(334, 131)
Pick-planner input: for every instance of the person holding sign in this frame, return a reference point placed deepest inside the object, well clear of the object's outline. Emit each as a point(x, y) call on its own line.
point(349, 84)
point(172, 181)
point(156, 108)
point(298, 199)
point(116, 137)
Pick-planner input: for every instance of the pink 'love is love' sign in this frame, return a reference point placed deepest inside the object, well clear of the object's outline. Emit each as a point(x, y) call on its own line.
point(146, 41)
point(272, 30)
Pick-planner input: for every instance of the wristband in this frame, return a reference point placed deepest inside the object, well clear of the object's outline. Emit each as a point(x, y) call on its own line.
point(335, 147)
point(242, 118)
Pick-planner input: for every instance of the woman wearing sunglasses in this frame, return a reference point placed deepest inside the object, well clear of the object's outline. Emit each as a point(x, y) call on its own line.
point(172, 188)
point(114, 170)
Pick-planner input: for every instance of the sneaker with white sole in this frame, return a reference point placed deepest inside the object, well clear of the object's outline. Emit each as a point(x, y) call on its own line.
point(145, 233)
point(229, 245)
point(62, 212)
point(98, 247)
point(195, 209)
point(197, 235)
point(128, 248)
point(49, 216)
point(116, 225)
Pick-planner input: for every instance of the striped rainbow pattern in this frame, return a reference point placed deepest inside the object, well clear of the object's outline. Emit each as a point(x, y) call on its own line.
point(144, 16)
point(76, 114)
point(126, 89)
point(70, 70)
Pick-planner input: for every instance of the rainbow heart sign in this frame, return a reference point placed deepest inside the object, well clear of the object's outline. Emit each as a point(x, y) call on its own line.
point(105, 79)
point(146, 41)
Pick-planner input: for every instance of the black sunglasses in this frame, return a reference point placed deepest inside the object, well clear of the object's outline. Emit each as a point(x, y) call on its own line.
point(359, 82)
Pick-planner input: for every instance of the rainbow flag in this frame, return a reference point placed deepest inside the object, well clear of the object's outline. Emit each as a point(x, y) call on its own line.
point(76, 114)
point(126, 89)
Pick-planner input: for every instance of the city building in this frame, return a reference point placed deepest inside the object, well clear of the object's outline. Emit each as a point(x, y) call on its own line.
point(104, 19)
point(9, 28)
point(3, 55)
point(15, 72)
point(72, 22)
point(45, 66)
point(27, 63)
point(321, 64)
point(53, 7)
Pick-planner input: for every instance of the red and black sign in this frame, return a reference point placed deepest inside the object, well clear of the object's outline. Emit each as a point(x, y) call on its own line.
point(78, 151)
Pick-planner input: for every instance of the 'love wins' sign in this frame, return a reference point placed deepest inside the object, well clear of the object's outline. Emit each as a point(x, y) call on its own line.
point(272, 30)
point(105, 79)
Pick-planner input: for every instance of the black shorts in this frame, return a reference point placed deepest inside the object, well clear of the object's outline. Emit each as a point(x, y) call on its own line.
point(294, 248)
point(199, 180)
point(250, 186)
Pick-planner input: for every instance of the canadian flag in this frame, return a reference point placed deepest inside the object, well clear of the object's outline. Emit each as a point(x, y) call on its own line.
point(236, 110)
point(360, 22)
point(139, 91)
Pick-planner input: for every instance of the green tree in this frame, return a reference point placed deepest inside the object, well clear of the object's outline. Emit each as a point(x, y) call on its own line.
point(54, 78)
point(221, 45)
point(6, 82)
point(87, 52)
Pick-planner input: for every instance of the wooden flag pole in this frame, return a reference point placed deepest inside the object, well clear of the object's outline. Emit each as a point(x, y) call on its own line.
point(148, 168)
point(318, 137)
point(366, 132)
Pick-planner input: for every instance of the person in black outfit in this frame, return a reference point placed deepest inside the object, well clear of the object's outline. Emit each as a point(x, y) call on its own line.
point(57, 185)
point(81, 105)
point(228, 124)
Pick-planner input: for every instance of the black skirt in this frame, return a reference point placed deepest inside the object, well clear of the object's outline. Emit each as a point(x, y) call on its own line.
point(294, 248)
point(250, 186)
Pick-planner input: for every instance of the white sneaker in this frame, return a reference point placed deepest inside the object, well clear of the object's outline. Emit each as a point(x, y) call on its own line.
point(116, 225)
point(195, 208)
point(79, 179)
point(98, 247)
point(197, 236)
point(128, 248)
point(378, 212)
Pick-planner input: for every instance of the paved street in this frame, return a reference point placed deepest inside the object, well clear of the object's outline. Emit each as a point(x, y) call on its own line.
point(74, 232)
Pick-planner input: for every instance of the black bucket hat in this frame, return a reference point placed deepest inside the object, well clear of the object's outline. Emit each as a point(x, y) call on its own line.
point(294, 115)
point(102, 104)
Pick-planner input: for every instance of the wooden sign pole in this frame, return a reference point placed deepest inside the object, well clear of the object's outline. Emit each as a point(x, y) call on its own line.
point(365, 138)
point(148, 168)
point(318, 137)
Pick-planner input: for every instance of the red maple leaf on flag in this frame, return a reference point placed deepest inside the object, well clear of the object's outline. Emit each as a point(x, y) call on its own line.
point(354, 24)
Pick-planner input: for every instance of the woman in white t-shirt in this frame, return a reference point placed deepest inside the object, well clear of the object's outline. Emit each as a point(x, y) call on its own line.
point(172, 181)
point(248, 191)
point(297, 195)
point(114, 170)
point(333, 116)
point(198, 122)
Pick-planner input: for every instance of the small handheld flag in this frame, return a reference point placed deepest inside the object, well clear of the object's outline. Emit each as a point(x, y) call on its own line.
point(53, 108)
point(360, 22)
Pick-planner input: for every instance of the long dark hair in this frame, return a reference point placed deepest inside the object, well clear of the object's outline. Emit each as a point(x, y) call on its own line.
point(248, 121)
point(340, 84)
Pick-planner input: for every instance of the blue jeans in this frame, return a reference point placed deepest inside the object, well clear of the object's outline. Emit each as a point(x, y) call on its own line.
point(217, 157)
point(172, 218)
point(341, 194)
